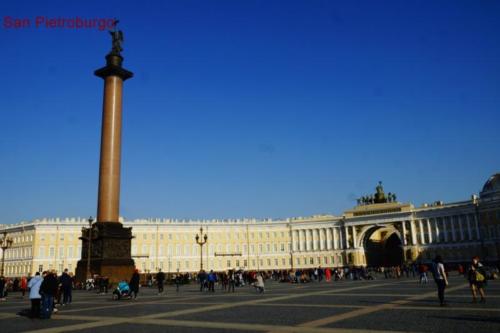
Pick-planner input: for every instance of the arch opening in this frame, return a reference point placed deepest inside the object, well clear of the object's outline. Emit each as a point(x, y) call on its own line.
point(383, 248)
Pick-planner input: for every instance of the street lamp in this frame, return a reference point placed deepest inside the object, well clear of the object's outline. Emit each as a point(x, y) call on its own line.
point(5, 243)
point(201, 243)
point(89, 246)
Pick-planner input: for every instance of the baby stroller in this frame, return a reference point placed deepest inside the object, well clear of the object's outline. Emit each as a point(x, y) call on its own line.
point(122, 291)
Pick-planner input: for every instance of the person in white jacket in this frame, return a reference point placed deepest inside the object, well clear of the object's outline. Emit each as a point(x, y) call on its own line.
point(259, 285)
point(35, 297)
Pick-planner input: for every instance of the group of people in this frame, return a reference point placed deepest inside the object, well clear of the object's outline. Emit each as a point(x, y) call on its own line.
point(46, 291)
point(476, 276)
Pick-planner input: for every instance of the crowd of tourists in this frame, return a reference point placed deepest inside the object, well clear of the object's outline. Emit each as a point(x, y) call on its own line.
point(48, 292)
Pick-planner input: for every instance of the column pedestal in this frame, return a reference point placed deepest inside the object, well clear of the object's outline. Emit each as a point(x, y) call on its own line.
point(110, 252)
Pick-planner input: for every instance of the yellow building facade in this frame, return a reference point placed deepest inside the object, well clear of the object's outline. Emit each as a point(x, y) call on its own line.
point(371, 234)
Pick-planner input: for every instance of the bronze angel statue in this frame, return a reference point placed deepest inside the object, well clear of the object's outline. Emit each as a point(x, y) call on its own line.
point(117, 39)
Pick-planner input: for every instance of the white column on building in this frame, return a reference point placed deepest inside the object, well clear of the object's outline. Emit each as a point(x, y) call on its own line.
point(453, 236)
point(403, 223)
point(315, 238)
point(334, 233)
point(421, 228)
point(323, 237)
point(301, 240)
point(436, 229)
point(445, 229)
point(346, 229)
point(459, 218)
point(469, 229)
point(429, 230)
point(328, 235)
point(476, 226)
point(319, 239)
point(354, 238)
point(413, 232)
point(307, 238)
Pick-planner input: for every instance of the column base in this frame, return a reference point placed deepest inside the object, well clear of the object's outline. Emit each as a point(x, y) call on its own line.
point(110, 252)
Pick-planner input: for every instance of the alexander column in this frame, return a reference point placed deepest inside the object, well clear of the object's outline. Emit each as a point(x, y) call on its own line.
point(110, 241)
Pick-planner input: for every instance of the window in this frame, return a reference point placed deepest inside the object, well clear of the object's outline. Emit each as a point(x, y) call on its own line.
point(144, 236)
point(41, 252)
point(52, 252)
point(268, 262)
point(229, 263)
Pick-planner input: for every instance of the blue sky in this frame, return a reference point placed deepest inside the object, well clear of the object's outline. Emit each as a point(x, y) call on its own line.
point(252, 108)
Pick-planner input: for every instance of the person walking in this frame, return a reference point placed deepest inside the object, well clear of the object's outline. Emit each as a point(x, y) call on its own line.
point(328, 274)
point(66, 286)
point(259, 284)
point(440, 277)
point(134, 283)
point(477, 279)
point(177, 281)
point(160, 279)
point(231, 281)
point(24, 285)
point(422, 269)
point(35, 297)
point(211, 281)
point(202, 276)
point(48, 290)
point(3, 288)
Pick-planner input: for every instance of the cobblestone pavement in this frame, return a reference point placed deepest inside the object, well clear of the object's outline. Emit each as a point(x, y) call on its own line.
point(347, 306)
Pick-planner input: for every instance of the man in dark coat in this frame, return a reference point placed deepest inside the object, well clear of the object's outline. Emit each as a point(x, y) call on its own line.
point(134, 283)
point(48, 290)
point(66, 285)
point(160, 278)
